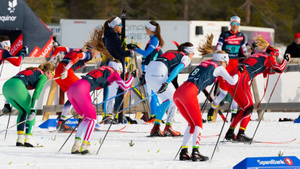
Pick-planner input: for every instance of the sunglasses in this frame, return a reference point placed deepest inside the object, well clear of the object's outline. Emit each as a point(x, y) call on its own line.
point(120, 25)
point(52, 72)
point(235, 23)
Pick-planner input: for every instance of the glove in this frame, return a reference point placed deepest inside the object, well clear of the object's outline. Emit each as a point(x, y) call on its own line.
point(142, 79)
point(64, 74)
point(24, 50)
point(241, 68)
point(227, 50)
point(132, 46)
point(286, 57)
point(163, 88)
point(254, 45)
point(134, 73)
point(32, 115)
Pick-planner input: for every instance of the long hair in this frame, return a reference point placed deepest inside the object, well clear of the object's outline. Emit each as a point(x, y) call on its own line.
point(261, 42)
point(44, 67)
point(206, 47)
point(96, 42)
point(108, 21)
point(158, 34)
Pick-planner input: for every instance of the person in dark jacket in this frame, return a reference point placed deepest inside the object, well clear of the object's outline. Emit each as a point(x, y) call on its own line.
point(112, 41)
point(294, 48)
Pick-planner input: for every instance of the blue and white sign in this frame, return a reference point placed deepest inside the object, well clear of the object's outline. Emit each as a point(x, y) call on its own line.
point(53, 123)
point(285, 162)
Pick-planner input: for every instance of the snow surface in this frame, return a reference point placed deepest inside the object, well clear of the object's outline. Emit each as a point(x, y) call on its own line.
point(148, 152)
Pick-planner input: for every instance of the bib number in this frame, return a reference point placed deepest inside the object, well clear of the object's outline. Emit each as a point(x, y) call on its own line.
point(233, 49)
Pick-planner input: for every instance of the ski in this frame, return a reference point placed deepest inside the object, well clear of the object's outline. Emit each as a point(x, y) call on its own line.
point(260, 141)
point(118, 130)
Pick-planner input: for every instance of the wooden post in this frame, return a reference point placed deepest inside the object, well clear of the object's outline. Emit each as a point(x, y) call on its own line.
point(256, 97)
point(50, 99)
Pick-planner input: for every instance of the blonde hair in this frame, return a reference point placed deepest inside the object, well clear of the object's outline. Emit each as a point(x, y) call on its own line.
point(44, 67)
point(261, 42)
point(96, 42)
point(206, 46)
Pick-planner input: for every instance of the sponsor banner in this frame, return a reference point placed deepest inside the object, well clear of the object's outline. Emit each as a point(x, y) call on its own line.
point(47, 49)
point(284, 162)
point(17, 45)
point(35, 52)
point(53, 123)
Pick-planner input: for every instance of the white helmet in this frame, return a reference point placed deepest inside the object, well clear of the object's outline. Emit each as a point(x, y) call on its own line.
point(116, 66)
point(221, 57)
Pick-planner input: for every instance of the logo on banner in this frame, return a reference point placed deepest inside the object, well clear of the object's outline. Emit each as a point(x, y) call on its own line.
point(11, 6)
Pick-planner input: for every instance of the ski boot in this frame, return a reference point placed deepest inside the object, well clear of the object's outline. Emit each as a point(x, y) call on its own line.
point(230, 135)
point(196, 156)
point(30, 142)
point(20, 140)
point(184, 155)
point(85, 147)
point(61, 126)
point(241, 137)
point(76, 146)
point(210, 114)
point(156, 131)
point(108, 120)
point(169, 131)
point(6, 108)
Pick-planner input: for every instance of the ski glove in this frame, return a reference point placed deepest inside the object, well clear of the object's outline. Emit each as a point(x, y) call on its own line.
point(241, 68)
point(134, 73)
point(286, 57)
point(24, 50)
point(32, 115)
point(132, 46)
point(163, 88)
point(142, 79)
point(64, 74)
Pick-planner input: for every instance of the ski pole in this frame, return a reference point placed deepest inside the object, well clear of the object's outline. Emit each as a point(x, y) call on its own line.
point(118, 95)
point(117, 114)
point(224, 121)
point(56, 131)
point(13, 126)
point(7, 125)
point(265, 108)
point(68, 137)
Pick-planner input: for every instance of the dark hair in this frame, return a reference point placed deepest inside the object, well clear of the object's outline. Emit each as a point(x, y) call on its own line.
point(44, 67)
point(3, 38)
point(108, 21)
point(157, 34)
point(181, 46)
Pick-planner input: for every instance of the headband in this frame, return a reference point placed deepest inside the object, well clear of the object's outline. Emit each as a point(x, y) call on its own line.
point(221, 57)
point(5, 43)
point(115, 22)
point(235, 19)
point(189, 49)
point(151, 27)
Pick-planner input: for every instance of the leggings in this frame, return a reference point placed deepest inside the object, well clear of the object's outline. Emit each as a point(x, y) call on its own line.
point(79, 96)
point(243, 97)
point(17, 95)
point(190, 110)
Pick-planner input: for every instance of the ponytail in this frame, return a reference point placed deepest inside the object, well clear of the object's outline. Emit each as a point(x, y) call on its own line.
point(206, 47)
point(158, 34)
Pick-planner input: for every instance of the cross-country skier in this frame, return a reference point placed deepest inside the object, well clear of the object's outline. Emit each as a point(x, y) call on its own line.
point(73, 60)
point(261, 62)
point(151, 52)
point(233, 42)
point(78, 94)
point(186, 99)
point(14, 60)
point(159, 74)
point(15, 90)
point(113, 29)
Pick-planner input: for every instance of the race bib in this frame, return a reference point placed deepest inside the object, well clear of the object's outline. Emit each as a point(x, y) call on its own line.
point(233, 48)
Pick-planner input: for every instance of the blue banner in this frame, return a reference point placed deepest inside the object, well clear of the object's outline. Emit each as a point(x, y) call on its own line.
point(284, 162)
point(53, 123)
